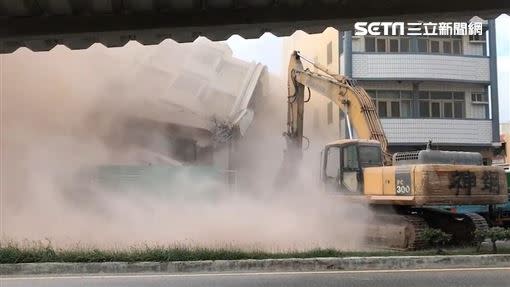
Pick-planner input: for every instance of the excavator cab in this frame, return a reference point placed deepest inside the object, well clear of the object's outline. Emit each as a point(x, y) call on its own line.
point(343, 161)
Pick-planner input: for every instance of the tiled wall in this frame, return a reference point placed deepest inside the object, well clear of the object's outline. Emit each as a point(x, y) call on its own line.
point(400, 131)
point(416, 66)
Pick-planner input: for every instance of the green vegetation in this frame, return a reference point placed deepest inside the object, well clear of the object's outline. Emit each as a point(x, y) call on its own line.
point(494, 234)
point(480, 236)
point(497, 234)
point(38, 252)
point(436, 238)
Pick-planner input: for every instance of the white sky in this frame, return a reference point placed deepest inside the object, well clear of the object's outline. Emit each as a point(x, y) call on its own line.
point(503, 48)
point(268, 50)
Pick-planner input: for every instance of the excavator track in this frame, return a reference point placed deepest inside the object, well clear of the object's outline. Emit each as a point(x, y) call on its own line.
point(397, 231)
point(462, 226)
point(419, 225)
point(405, 231)
point(478, 223)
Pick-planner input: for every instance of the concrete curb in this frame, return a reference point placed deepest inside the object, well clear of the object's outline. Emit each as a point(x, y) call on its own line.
point(266, 265)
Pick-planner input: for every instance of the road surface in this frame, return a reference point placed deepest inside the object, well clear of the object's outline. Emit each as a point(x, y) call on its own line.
point(493, 277)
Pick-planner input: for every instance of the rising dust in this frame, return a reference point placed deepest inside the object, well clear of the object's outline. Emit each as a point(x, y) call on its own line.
point(64, 110)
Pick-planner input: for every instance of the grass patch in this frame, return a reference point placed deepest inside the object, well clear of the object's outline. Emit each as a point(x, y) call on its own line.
point(16, 253)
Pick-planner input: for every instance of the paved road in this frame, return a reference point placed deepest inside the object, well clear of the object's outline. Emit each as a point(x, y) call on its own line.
point(493, 277)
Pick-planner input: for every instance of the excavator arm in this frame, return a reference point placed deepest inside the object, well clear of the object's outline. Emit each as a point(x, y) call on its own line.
point(351, 99)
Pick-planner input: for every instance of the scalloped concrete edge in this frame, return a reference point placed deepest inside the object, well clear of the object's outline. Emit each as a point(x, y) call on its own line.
point(265, 265)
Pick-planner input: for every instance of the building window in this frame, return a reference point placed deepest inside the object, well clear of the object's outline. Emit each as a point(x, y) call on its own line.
point(434, 46)
point(442, 45)
point(395, 108)
point(405, 43)
point(447, 47)
point(330, 53)
point(435, 109)
point(457, 47)
point(382, 109)
point(394, 45)
point(369, 44)
point(477, 38)
point(479, 98)
point(387, 44)
point(442, 104)
point(423, 46)
point(392, 104)
point(381, 45)
point(424, 109)
point(330, 113)
point(405, 104)
point(458, 110)
point(480, 107)
point(448, 110)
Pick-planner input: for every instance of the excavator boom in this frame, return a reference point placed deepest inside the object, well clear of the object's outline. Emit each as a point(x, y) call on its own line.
point(351, 99)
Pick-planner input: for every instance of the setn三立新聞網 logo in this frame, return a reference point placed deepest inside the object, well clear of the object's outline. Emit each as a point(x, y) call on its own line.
point(418, 28)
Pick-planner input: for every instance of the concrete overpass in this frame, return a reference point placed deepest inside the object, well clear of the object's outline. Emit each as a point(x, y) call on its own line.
point(42, 24)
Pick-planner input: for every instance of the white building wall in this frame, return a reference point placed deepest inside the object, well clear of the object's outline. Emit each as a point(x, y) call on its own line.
point(386, 85)
point(420, 66)
point(342, 67)
point(314, 47)
point(358, 44)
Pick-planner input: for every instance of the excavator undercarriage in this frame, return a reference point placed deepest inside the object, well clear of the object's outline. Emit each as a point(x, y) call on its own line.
point(402, 229)
point(402, 189)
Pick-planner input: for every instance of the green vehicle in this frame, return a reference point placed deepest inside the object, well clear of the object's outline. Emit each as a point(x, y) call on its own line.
point(158, 181)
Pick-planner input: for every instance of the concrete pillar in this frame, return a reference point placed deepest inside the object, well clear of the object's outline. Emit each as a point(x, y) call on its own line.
point(494, 80)
point(348, 53)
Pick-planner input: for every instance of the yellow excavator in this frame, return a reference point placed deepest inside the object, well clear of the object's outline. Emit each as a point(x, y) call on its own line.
point(404, 189)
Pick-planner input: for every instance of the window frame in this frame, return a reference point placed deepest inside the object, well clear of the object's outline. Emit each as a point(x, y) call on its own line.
point(375, 46)
point(426, 42)
point(390, 40)
point(339, 164)
point(377, 39)
point(346, 167)
point(429, 100)
point(404, 97)
point(480, 98)
point(460, 47)
point(432, 41)
point(329, 53)
point(329, 113)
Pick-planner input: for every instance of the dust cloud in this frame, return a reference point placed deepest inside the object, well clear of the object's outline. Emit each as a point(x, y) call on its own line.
point(64, 111)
